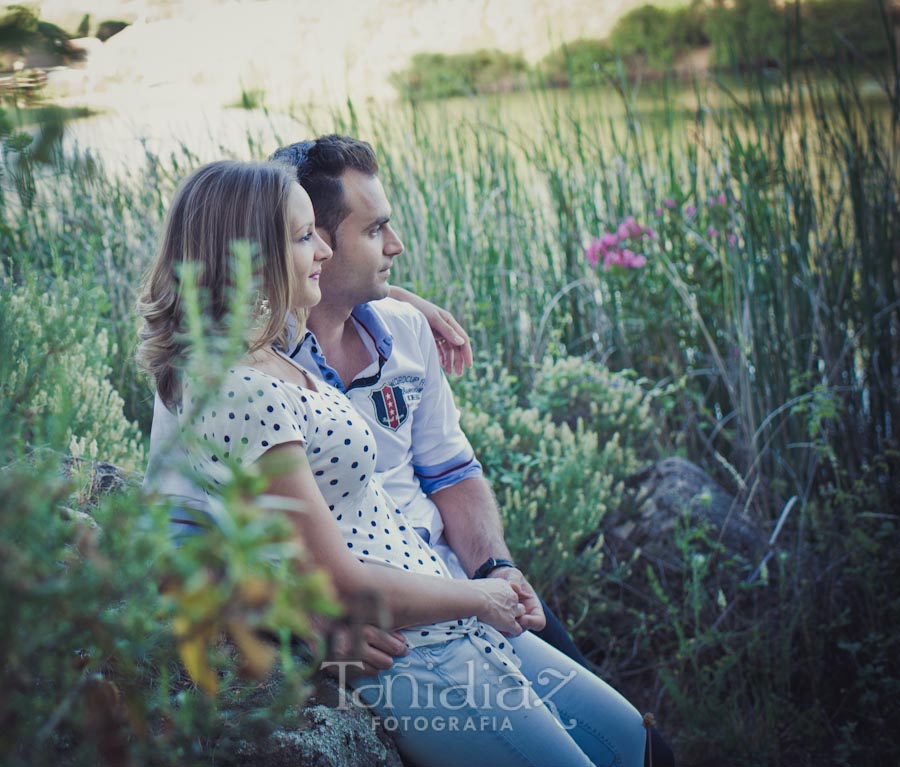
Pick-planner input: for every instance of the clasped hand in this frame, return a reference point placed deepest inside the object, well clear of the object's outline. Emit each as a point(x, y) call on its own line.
point(532, 617)
point(510, 606)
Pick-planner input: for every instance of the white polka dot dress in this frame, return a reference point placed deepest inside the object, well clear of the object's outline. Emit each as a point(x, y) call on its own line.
point(255, 411)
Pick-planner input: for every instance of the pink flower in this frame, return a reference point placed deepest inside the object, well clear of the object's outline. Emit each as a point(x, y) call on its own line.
point(634, 228)
point(625, 258)
point(690, 211)
point(722, 200)
point(669, 203)
point(609, 246)
point(631, 260)
point(608, 241)
point(658, 212)
point(732, 239)
point(712, 232)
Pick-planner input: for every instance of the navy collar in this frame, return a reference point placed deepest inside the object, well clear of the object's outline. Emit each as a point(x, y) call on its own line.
point(367, 316)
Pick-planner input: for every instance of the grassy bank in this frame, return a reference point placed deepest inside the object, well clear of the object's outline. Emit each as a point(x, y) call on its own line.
point(721, 284)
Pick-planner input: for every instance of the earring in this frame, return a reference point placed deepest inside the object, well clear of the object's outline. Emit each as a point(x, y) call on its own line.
point(263, 310)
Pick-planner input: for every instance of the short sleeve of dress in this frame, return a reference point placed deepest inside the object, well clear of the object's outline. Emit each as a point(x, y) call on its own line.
point(251, 414)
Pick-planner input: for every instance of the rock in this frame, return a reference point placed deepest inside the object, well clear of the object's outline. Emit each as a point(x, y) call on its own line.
point(668, 490)
point(104, 477)
point(333, 737)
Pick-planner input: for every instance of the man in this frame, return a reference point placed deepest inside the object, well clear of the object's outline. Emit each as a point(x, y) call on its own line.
point(382, 355)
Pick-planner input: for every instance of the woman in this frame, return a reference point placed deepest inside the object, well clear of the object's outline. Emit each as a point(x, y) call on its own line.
point(459, 696)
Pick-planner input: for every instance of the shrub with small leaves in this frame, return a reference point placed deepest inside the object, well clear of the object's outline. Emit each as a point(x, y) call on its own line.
point(609, 402)
point(554, 484)
point(54, 375)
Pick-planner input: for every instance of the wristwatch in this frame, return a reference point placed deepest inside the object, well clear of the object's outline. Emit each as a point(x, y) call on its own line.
point(490, 565)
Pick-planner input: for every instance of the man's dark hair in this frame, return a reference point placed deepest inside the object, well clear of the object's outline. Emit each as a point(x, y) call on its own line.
point(319, 165)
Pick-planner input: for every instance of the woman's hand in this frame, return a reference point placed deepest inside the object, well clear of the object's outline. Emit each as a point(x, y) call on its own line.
point(533, 617)
point(502, 608)
point(454, 347)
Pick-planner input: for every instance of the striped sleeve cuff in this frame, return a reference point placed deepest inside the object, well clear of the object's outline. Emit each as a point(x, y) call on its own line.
point(434, 478)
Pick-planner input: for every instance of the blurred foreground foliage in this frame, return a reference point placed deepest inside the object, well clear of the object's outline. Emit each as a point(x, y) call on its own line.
point(100, 618)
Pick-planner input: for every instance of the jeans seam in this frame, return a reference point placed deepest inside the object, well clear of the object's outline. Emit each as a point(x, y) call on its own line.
point(564, 714)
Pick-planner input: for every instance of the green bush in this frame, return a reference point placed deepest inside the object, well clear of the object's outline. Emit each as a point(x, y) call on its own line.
point(751, 33)
point(655, 35)
point(745, 33)
point(54, 375)
point(65, 619)
point(557, 472)
point(578, 63)
point(613, 404)
point(69, 221)
point(802, 636)
point(440, 75)
point(841, 28)
point(850, 608)
point(759, 31)
point(554, 486)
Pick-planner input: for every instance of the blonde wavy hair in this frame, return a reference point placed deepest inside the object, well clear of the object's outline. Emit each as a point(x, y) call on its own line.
point(216, 206)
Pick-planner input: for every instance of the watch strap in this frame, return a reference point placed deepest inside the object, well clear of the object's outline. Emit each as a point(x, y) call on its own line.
point(492, 564)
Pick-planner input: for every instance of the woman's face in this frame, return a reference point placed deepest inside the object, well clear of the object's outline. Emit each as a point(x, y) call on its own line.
point(308, 250)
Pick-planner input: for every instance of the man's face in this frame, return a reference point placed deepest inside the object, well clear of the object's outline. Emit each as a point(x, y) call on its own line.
point(365, 245)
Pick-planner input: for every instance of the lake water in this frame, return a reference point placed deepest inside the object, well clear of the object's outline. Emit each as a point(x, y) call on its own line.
point(123, 140)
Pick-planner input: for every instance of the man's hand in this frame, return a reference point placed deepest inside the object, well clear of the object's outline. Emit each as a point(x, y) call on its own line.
point(533, 619)
point(453, 345)
point(375, 647)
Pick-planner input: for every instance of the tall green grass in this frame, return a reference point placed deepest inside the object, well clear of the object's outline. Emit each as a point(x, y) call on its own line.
point(779, 305)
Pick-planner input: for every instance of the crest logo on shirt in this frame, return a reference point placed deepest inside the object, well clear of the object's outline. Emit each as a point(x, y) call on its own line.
point(390, 406)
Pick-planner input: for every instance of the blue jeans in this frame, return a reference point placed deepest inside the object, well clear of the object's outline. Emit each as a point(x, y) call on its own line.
point(445, 705)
